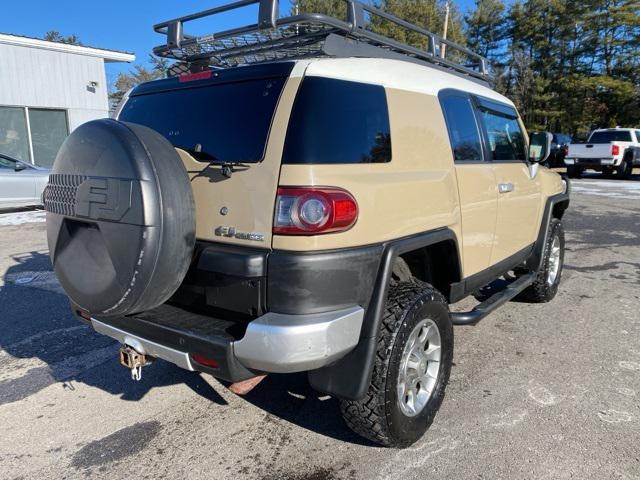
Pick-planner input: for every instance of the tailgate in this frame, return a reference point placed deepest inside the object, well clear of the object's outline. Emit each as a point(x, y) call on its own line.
point(589, 150)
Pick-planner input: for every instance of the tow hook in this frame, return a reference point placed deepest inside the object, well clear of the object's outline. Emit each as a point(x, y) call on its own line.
point(134, 360)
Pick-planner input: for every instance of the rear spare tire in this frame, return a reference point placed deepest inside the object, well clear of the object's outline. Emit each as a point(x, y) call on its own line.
point(120, 218)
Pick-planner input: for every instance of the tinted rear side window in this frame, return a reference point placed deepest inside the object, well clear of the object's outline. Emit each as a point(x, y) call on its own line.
point(335, 121)
point(462, 127)
point(610, 136)
point(229, 121)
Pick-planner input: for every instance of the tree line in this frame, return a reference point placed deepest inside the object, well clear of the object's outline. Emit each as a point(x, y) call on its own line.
point(569, 66)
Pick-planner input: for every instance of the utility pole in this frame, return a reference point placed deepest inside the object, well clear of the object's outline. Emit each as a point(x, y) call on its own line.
point(443, 46)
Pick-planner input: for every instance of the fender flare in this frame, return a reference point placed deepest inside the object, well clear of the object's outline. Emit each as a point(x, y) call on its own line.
point(555, 207)
point(349, 377)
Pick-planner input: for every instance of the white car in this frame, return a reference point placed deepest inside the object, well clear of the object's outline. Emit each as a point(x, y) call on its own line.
point(607, 150)
point(21, 184)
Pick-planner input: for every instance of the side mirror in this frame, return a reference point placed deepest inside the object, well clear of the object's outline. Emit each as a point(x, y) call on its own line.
point(19, 167)
point(540, 146)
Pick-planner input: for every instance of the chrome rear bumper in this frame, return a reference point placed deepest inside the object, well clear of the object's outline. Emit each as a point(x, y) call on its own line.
point(295, 343)
point(273, 343)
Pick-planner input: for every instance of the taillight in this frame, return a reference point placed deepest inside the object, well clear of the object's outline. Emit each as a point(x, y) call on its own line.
point(313, 210)
point(615, 149)
point(204, 361)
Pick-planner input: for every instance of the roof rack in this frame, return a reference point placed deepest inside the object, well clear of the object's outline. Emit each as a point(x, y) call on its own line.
point(306, 35)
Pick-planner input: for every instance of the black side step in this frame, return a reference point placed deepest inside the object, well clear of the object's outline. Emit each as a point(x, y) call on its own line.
point(490, 304)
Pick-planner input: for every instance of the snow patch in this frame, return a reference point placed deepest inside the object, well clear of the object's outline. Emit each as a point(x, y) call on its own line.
point(20, 218)
point(607, 188)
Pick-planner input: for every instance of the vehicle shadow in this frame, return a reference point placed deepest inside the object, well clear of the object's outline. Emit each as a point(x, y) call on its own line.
point(46, 344)
point(291, 398)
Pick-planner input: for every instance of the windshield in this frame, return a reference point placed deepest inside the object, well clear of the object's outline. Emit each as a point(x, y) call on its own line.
point(225, 122)
point(608, 136)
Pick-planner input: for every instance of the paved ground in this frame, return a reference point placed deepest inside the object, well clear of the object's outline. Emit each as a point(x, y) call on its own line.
point(537, 391)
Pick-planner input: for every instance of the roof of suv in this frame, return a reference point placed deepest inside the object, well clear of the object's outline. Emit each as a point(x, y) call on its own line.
point(390, 73)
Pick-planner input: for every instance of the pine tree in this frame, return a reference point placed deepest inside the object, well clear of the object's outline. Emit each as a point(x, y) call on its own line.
point(486, 28)
point(426, 14)
point(55, 36)
point(334, 8)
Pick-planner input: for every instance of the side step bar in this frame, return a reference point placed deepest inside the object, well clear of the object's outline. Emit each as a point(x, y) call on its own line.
point(490, 304)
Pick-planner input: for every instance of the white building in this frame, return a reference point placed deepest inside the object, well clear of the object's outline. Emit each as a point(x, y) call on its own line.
point(47, 89)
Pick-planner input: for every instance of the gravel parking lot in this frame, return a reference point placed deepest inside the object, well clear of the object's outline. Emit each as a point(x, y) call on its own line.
point(537, 391)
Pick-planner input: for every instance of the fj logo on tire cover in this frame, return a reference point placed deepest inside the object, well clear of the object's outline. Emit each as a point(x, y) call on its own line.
point(104, 198)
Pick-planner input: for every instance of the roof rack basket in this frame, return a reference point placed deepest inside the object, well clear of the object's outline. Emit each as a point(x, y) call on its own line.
point(306, 35)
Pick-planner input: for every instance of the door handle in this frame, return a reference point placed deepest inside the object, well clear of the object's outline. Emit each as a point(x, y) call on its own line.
point(505, 187)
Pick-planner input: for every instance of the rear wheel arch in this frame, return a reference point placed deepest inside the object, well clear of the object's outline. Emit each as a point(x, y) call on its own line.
point(437, 264)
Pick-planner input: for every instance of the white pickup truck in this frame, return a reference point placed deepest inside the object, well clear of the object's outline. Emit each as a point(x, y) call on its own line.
point(607, 150)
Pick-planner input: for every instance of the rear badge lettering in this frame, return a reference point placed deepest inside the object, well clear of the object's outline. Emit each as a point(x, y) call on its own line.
point(231, 232)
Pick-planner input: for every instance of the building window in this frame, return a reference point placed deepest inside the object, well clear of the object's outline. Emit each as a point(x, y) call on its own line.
point(14, 139)
point(33, 135)
point(48, 131)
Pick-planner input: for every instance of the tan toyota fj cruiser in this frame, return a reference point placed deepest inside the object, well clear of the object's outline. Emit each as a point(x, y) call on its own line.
point(307, 196)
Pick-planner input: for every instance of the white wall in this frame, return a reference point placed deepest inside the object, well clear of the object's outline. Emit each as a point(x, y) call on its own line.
point(41, 78)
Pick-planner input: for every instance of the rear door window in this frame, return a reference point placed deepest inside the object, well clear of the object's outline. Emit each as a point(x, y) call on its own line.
point(228, 122)
point(462, 127)
point(338, 122)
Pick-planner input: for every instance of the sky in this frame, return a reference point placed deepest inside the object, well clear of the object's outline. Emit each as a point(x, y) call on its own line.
point(125, 25)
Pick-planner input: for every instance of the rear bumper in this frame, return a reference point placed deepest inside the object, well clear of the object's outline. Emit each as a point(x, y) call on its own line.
point(144, 345)
point(272, 343)
point(295, 343)
point(591, 162)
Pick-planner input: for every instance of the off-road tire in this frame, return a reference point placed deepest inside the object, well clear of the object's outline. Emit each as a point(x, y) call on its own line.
point(541, 291)
point(378, 416)
point(574, 171)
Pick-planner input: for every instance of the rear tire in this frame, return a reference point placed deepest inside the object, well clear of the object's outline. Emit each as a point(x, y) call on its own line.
point(574, 171)
point(545, 287)
point(416, 319)
point(625, 169)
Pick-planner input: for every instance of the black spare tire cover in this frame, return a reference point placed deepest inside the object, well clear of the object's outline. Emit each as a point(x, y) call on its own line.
point(120, 218)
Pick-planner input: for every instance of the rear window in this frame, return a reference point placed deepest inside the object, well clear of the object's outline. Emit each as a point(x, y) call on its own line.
point(610, 136)
point(462, 128)
point(230, 122)
point(335, 121)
